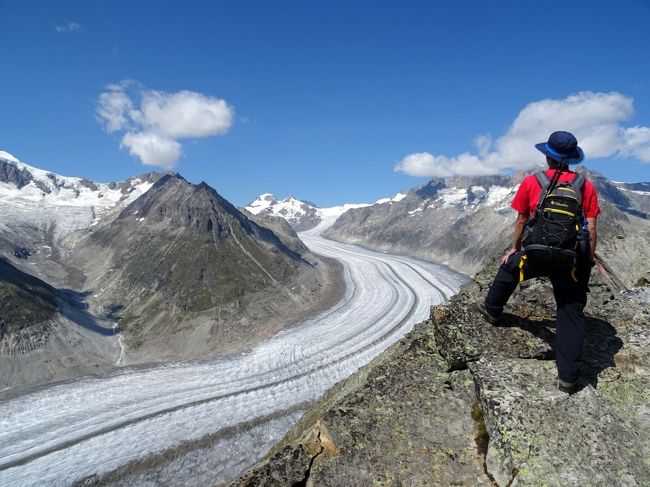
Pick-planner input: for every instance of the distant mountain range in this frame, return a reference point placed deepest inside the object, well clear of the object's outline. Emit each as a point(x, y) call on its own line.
point(303, 215)
point(152, 268)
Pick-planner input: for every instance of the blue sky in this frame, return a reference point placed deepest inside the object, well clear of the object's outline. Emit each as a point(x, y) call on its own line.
point(324, 99)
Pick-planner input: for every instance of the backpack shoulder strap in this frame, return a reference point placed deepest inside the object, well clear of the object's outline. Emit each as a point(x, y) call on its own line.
point(577, 184)
point(544, 181)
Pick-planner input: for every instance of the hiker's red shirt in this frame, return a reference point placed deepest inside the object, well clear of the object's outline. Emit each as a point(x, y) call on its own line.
point(527, 197)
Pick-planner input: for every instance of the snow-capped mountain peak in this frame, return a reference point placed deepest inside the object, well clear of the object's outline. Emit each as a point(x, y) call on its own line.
point(262, 202)
point(301, 215)
point(37, 198)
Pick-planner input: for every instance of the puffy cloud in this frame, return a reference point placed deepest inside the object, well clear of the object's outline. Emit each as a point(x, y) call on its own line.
point(156, 121)
point(152, 149)
point(113, 108)
point(424, 164)
point(594, 118)
point(67, 27)
point(637, 143)
point(185, 114)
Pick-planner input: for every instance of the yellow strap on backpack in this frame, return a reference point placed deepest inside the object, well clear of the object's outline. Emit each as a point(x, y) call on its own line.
point(522, 262)
point(573, 273)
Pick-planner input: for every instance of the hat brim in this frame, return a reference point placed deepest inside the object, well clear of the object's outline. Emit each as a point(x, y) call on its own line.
point(576, 158)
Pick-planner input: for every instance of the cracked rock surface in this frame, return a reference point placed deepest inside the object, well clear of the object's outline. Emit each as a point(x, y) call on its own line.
point(461, 402)
point(539, 435)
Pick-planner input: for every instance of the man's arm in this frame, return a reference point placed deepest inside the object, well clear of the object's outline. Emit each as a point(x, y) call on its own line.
point(593, 235)
point(519, 230)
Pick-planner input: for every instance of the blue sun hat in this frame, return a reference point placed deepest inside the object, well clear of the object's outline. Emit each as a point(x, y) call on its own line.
point(562, 147)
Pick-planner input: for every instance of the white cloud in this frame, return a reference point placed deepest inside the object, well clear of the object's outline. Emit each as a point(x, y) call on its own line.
point(153, 129)
point(423, 164)
point(185, 114)
point(67, 27)
point(594, 118)
point(113, 108)
point(152, 149)
point(637, 143)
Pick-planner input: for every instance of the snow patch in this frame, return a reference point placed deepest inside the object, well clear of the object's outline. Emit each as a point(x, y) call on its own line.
point(452, 197)
point(7, 157)
point(497, 195)
point(636, 191)
point(398, 197)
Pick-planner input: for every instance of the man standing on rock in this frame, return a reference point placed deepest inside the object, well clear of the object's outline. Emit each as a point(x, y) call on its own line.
point(570, 280)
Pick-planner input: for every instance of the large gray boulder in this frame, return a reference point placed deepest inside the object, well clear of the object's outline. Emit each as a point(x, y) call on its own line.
point(541, 436)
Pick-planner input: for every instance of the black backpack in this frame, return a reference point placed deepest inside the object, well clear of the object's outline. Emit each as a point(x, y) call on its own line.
point(551, 237)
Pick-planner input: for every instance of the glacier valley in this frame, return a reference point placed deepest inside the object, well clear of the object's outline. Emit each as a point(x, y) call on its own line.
point(207, 421)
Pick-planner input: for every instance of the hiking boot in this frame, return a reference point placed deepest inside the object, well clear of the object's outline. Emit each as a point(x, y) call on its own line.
point(566, 387)
point(480, 305)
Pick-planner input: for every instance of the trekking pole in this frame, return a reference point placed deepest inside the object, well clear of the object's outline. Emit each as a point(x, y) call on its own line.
point(556, 178)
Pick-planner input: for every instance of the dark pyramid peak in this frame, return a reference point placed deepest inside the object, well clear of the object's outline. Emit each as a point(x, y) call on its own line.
point(175, 199)
point(170, 178)
point(192, 246)
point(176, 203)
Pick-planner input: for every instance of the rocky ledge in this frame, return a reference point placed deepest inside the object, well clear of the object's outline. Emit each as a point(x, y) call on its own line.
point(461, 402)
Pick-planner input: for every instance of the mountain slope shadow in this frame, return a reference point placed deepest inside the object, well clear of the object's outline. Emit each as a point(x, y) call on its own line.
point(72, 305)
point(29, 303)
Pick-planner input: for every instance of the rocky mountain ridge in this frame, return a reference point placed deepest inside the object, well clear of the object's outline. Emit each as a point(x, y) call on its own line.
point(461, 402)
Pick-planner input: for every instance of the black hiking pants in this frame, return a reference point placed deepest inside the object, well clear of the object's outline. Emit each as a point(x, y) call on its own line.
point(570, 297)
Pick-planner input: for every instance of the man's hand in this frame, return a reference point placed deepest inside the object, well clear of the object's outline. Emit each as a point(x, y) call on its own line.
point(593, 239)
point(509, 254)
